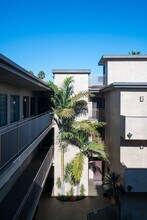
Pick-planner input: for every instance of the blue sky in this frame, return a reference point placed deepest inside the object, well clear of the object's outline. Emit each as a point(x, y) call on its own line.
point(52, 34)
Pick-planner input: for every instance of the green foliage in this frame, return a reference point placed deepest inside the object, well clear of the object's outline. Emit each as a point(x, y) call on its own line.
point(70, 192)
point(82, 190)
point(58, 183)
point(113, 187)
point(91, 128)
point(41, 74)
point(67, 106)
point(77, 167)
point(31, 72)
point(68, 177)
point(97, 149)
point(134, 52)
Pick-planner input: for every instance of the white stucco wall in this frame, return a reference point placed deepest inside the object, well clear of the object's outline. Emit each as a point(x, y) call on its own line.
point(126, 71)
point(134, 125)
point(80, 80)
point(133, 157)
point(130, 104)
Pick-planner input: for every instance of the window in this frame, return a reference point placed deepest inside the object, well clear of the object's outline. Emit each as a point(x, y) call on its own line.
point(14, 108)
point(25, 106)
point(3, 109)
point(32, 106)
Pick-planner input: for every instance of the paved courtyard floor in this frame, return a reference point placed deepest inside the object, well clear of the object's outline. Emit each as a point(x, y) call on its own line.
point(52, 209)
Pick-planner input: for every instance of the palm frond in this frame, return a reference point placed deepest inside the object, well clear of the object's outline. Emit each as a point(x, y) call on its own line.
point(99, 124)
point(65, 113)
point(113, 187)
point(79, 95)
point(80, 106)
point(98, 149)
point(86, 126)
point(78, 166)
point(67, 90)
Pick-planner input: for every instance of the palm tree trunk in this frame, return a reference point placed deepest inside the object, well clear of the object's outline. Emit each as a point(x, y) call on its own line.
point(78, 188)
point(62, 171)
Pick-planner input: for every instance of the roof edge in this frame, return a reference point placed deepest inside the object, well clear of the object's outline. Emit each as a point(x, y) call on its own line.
point(128, 85)
point(71, 71)
point(121, 57)
point(21, 70)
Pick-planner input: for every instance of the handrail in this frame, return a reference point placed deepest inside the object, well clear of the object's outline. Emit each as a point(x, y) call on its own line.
point(15, 140)
point(22, 122)
point(34, 181)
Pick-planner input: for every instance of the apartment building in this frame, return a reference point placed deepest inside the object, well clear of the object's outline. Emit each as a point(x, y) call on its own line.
point(120, 100)
point(26, 137)
point(26, 132)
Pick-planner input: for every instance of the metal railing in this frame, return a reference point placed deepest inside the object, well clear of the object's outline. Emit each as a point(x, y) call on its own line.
point(95, 80)
point(28, 206)
point(107, 213)
point(14, 139)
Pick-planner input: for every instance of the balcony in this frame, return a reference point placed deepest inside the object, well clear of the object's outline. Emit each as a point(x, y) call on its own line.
point(16, 138)
point(135, 179)
point(134, 128)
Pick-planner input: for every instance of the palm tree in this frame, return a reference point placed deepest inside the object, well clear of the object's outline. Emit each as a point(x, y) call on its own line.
point(79, 137)
point(113, 187)
point(134, 52)
point(41, 74)
point(66, 106)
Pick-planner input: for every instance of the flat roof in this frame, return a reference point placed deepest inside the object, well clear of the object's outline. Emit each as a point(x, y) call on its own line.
point(122, 57)
point(71, 71)
point(15, 74)
point(126, 85)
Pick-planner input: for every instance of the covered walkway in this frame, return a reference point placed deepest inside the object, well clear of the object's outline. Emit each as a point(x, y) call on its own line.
point(12, 201)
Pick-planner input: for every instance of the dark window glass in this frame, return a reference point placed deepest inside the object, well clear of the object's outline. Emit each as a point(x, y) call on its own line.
point(3, 109)
point(14, 108)
point(32, 106)
point(25, 106)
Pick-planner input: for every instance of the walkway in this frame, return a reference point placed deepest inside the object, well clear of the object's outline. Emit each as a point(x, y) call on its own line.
point(53, 209)
point(10, 204)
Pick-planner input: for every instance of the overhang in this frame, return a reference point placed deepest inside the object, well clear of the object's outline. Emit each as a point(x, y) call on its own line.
point(15, 75)
point(124, 85)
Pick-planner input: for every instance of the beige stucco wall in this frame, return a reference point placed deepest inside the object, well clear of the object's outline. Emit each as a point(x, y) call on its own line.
point(131, 105)
point(134, 156)
point(112, 128)
point(135, 126)
point(80, 81)
point(80, 84)
point(126, 71)
point(133, 120)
